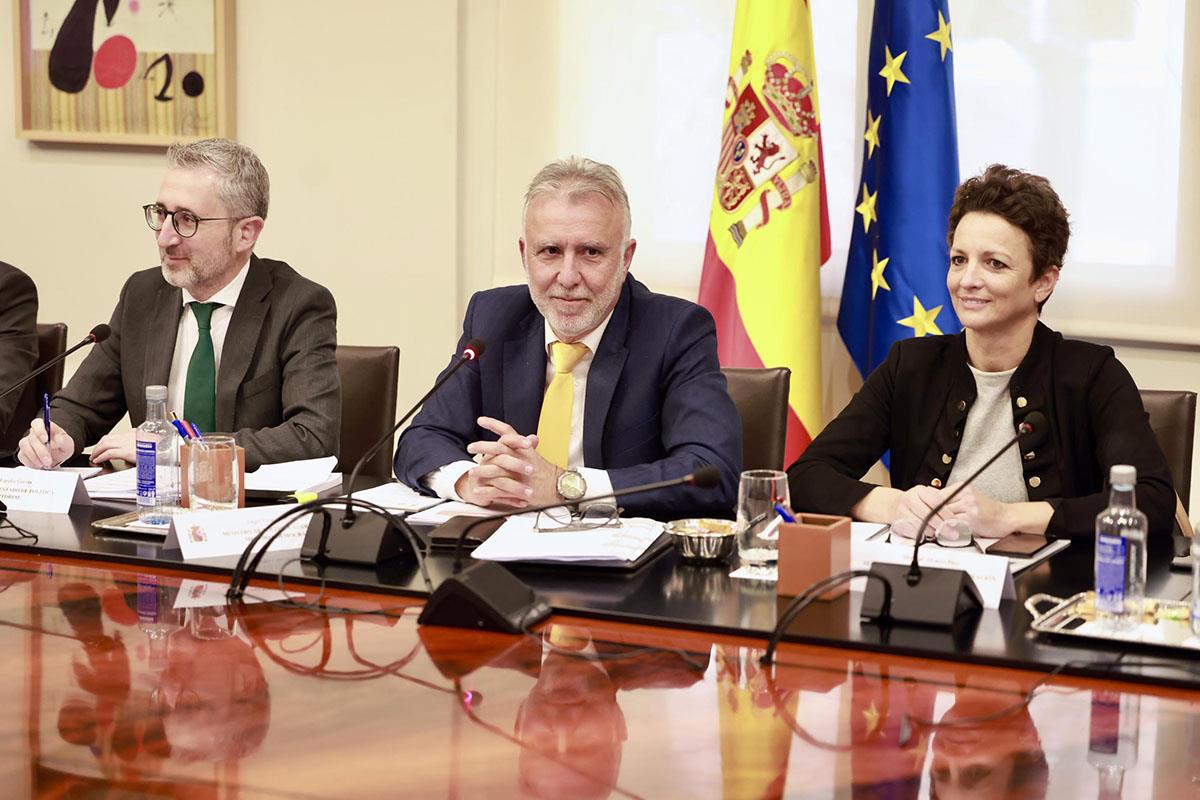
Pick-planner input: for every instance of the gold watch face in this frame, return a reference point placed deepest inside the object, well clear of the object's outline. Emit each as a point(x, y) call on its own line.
point(571, 485)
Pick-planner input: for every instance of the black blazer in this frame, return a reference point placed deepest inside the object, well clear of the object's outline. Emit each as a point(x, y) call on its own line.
point(18, 339)
point(916, 402)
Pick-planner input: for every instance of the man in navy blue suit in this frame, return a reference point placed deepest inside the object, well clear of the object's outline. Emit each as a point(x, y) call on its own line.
point(590, 382)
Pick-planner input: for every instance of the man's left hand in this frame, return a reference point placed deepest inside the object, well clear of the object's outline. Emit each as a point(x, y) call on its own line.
point(541, 476)
point(116, 445)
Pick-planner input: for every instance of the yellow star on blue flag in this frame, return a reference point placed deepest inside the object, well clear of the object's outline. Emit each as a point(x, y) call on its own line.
point(909, 173)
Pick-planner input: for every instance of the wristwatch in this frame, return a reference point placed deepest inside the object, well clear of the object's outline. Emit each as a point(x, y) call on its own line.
point(571, 485)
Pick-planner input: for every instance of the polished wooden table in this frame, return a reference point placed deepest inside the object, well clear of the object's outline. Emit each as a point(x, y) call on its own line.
point(125, 680)
point(668, 593)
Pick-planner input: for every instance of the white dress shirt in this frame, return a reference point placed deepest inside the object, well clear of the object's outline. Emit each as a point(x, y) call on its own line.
point(441, 481)
point(189, 334)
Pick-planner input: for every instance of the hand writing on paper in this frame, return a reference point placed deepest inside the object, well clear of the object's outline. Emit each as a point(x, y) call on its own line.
point(38, 452)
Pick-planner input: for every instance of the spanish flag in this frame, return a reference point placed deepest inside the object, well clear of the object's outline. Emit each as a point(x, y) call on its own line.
point(769, 228)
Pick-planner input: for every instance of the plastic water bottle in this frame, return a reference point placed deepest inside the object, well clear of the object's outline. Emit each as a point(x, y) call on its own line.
point(157, 461)
point(1121, 553)
point(1113, 739)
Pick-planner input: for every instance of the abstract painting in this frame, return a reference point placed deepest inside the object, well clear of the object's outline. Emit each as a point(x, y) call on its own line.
point(142, 72)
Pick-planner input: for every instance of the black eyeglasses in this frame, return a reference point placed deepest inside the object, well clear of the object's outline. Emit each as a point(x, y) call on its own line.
point(597, 515)
point(185, 222)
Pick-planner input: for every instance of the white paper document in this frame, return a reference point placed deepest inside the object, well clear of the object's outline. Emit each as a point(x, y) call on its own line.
point(516, 540)
point(437, 514)
point(48, 491)
point(397, 497)
point(119, 485)
point(292, 476)
point(206, 534)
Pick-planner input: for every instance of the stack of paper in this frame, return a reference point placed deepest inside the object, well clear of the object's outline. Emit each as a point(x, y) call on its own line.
point(311, 475)
point(397, 497)
point(516, 540)
point(120, 485)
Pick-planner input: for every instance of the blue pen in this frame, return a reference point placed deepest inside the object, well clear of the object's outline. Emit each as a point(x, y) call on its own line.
point(179, 427)
point(46, 416)
point(783, 513)
point(196, 430)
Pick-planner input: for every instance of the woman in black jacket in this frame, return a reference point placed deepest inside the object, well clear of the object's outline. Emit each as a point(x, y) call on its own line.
point(943, 405)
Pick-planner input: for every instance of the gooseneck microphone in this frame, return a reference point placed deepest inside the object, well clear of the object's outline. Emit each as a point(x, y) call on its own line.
point(375, 540)
point(471, 352)
point(937, 596)
point(97, 335)
point(1031, 431)
point(487, 596)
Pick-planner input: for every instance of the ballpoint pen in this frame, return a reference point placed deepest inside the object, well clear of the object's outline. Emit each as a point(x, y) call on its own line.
point(175, 421)
point(46, 419)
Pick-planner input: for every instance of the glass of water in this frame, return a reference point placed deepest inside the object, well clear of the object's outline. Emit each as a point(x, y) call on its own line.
point(759, 490)
point(213, 473)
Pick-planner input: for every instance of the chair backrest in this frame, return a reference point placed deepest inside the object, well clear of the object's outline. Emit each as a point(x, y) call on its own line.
point(52, 341)
point(1173, 418)
point(761, 397)
point(369, 376)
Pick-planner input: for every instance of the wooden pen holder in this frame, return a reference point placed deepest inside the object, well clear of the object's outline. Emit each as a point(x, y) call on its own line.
point(811, 549)
point(184, 484)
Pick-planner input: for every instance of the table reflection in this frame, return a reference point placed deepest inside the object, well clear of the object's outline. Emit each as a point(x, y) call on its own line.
point(148, 685)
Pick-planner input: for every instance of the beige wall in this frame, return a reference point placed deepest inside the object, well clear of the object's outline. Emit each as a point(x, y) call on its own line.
point(355, 117)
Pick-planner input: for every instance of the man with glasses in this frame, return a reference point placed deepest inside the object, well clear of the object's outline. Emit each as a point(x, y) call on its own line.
point(591, 382)
point(244, 344)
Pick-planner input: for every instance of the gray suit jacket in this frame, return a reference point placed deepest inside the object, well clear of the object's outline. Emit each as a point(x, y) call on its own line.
point(278, 389)
point(18, 339)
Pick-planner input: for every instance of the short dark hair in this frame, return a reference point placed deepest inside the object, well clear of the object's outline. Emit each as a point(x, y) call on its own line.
point(1026, 201)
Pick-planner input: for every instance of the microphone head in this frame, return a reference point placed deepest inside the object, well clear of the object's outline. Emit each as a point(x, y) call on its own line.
point(705, 478)
point(100, 333)
point(1034, 429)
point(473, 350)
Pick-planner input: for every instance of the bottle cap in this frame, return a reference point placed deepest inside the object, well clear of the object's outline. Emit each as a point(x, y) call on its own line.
point(156, 393)
point(1123, 474)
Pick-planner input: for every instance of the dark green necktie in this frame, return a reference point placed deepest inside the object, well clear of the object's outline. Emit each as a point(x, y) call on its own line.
point(200, 392)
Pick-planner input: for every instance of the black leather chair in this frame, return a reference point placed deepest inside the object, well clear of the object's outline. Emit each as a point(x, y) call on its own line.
point(1173, 417)
point(52, 341)
point(369, 376)
point(761, 397)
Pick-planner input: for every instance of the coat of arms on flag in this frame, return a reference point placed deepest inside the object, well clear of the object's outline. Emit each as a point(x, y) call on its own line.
point(769, 225)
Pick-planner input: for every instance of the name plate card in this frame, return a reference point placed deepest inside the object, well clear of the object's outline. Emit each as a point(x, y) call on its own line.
point(991, 573)
point(208, 534)
point(46, 491)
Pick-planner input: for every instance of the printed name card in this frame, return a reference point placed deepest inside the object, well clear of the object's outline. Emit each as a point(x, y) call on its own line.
point(208, 534)
point(47, 491)
point(990, 573)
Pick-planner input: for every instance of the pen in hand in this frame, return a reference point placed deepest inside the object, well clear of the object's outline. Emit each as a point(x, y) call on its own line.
point(46, 419)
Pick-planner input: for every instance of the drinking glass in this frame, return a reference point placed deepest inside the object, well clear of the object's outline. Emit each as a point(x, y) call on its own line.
point(213, 473)
point(759, 490)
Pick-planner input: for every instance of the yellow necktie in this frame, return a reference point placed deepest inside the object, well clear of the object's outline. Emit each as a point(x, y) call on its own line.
point(554, 424)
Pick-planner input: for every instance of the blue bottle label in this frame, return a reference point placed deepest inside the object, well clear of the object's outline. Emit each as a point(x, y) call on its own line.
point(1110, 574)
point(147, 453)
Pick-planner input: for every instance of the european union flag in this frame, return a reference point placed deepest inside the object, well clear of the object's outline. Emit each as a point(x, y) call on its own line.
point(896, 271)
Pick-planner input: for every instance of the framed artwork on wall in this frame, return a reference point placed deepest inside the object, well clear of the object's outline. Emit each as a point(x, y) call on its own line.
point(135, 72)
